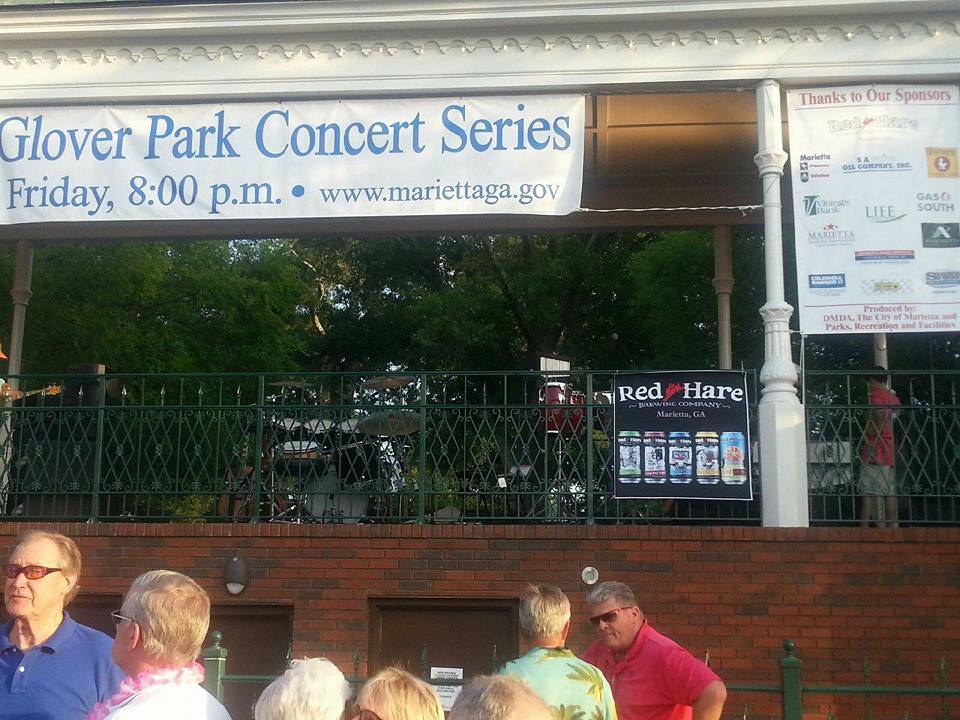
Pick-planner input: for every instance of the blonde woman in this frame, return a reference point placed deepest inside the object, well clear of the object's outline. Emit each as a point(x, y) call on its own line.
point(395, 694)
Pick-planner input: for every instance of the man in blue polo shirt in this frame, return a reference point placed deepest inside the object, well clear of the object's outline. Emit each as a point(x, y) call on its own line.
point(51, 667)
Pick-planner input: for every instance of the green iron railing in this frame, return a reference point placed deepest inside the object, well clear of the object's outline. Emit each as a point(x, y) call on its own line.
point(792, 692)
point(423, 447)
point(926, 432)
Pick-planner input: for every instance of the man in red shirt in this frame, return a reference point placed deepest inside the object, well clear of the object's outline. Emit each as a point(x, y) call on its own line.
point(652, 677)
point(877, 476)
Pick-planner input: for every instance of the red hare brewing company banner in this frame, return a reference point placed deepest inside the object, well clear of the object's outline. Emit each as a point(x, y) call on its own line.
point(682, 435)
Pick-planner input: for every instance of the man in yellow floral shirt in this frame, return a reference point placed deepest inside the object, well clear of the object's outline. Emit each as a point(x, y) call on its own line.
point(574, 689)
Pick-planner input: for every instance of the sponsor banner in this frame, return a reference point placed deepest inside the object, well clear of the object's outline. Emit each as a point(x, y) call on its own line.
point(682, 435)
point(875, 186)
point(429, 156)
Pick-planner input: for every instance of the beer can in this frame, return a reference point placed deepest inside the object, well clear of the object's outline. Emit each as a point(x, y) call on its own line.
point(655, 457)
point(630, 456)
point(708, 457)
point(733, 453)
point(680, 455)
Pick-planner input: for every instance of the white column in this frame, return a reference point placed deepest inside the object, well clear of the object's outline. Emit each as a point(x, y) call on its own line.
point(783, 447)
point(880, 356)
point(723, 286)
point(21, 293)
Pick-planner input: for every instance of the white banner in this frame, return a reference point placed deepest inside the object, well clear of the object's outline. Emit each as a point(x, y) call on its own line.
point(876, 189)
point(434, 156)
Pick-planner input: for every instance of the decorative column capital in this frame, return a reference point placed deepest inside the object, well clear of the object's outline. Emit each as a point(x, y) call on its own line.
point(723, 286)
point(770, 161)
point(773, 312)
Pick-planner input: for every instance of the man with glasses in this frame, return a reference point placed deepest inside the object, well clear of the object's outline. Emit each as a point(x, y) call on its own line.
point(52, 668)
point(652, 677)
point(160, 629)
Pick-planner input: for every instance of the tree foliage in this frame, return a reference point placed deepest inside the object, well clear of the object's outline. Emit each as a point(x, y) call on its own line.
point(604, 301)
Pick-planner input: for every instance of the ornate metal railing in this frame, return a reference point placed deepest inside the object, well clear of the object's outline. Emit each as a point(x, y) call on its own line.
point(424, 447)
point(926, 436)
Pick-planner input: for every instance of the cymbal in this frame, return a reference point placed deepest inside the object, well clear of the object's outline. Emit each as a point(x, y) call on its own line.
point(390, 423)
point(388, 382)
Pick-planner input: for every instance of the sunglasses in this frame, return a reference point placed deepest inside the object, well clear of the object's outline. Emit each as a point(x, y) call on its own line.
point(118, 618)
point(607, 617)
point(31, 572)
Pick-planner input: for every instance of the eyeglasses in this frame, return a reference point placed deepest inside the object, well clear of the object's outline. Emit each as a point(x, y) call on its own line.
point(31, 572)
point(607, 617)
point(355, 712)
point(118, 618)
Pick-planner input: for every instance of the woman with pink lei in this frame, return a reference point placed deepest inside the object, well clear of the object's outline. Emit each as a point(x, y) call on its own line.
point(160, 629)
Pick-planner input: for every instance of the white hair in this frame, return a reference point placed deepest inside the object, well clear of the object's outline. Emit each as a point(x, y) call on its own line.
point(499, 697)
point(312, 689)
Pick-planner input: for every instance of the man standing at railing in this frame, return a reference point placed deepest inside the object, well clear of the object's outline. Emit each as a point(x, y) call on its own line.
point(877, 457)
point(652, 677)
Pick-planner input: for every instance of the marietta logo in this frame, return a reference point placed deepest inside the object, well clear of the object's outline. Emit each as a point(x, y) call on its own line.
point(813, 165)
point(827, 280)
point(940, 235)
point(831, 235)
point(684, 391)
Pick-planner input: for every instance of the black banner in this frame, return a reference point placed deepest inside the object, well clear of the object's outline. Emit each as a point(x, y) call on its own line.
point(682, 435)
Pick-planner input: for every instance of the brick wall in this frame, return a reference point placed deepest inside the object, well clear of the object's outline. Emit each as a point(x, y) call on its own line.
point(735, 592)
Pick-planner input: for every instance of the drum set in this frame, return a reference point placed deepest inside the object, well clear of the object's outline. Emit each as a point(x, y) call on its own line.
point(319, 470)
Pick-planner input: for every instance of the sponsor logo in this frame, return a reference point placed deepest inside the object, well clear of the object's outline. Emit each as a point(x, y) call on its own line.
point(883, 256)
point(827, 281)
point(679, 391)
point(883, 213)
point(943, 278)
point(831, 235)
point(940, 235)
point(872, 124)
point(934, 202)
point(942, 163)
point(817, 205)
point(813, 166)
point(876, 164)
point(886, 286)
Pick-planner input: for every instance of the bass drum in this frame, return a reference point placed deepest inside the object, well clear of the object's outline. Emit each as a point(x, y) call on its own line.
point(327, 502)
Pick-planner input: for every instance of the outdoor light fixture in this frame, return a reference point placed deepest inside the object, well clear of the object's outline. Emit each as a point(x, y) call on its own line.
point(590, 575)
point(236, 575)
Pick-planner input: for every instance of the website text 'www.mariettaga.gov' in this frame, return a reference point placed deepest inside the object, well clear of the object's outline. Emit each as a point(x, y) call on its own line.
point(488, 193)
